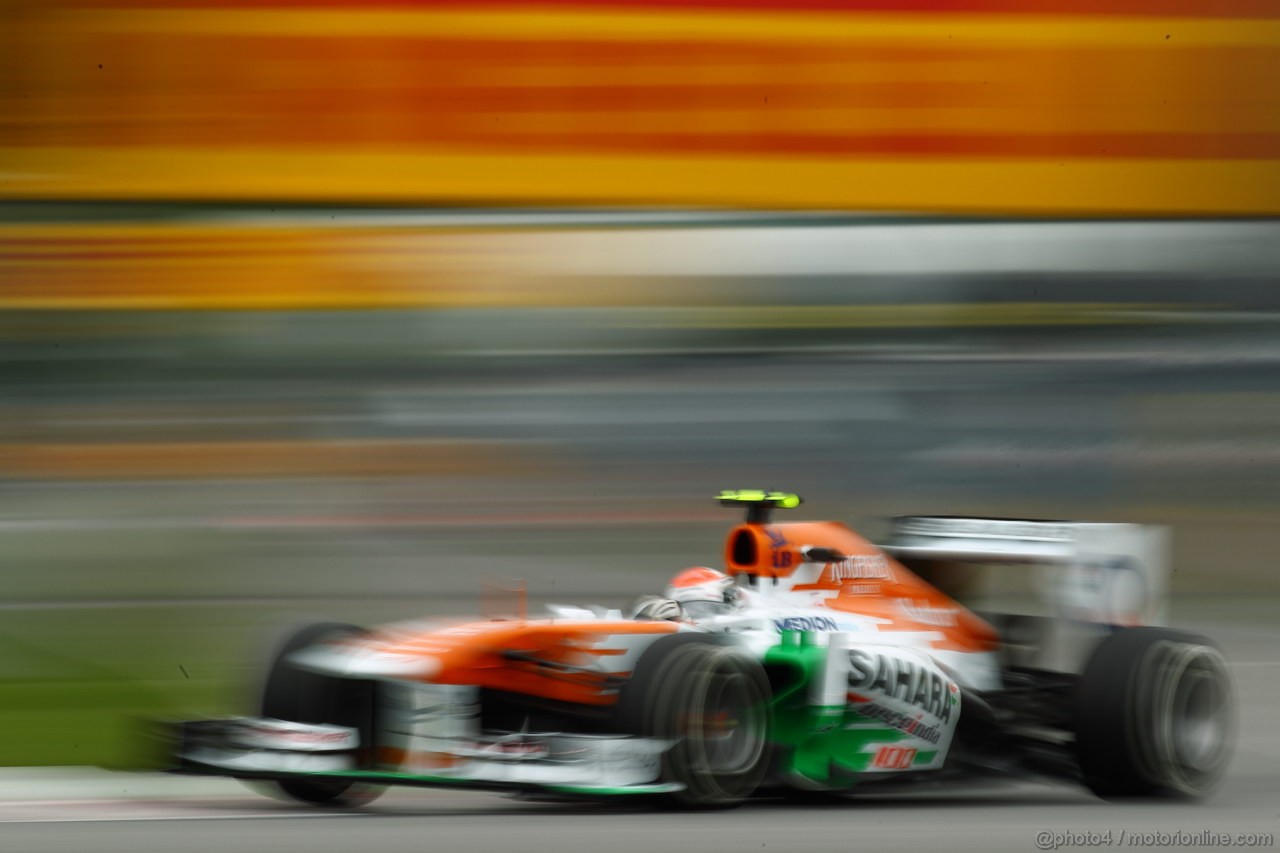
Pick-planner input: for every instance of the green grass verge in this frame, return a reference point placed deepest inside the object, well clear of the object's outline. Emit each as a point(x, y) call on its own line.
point(76, 685)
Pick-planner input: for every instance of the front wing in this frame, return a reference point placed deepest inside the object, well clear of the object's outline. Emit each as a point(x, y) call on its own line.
point(573, 764)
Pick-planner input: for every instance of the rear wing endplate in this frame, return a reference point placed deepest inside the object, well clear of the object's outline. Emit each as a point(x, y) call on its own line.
point(1099, 571)
point(1106, 574)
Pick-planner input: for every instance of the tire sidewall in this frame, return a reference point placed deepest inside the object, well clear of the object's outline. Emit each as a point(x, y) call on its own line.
point(1125, 706)
point(290, 693)
point(670, 687)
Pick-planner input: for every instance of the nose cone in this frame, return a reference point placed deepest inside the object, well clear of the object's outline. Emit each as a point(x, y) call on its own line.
point(366, 661)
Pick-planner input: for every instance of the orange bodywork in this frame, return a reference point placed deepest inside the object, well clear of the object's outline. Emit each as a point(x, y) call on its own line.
point(584, 661)
point(868, 582)
point(566, 660)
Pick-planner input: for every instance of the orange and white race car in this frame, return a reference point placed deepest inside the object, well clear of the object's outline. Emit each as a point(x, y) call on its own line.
point(816, 662)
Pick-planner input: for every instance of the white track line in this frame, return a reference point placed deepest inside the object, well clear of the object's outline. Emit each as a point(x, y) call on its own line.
point(156, 818)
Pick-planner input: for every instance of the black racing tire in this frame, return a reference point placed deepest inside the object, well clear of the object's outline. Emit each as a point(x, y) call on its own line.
point(1155, 716)
point(290, 693)
point(712, 699)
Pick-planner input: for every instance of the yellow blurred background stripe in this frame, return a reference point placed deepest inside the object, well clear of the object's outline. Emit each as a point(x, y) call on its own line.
point(1082, 185)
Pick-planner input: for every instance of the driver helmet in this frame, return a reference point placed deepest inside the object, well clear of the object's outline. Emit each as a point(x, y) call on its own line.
point(703, 592)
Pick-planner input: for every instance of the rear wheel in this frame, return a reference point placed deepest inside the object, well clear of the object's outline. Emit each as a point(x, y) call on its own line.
point(1155, 715)
point(294, 694)
point(713, 701)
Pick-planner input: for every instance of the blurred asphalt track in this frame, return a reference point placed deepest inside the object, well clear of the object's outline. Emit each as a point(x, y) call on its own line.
point(74, 810)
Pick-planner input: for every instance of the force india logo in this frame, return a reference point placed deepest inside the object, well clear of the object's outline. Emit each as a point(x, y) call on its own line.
point(902, 680)
point(902, 722)
point(922, 612)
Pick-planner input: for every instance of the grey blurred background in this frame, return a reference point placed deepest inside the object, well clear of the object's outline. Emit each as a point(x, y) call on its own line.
point(556, 397)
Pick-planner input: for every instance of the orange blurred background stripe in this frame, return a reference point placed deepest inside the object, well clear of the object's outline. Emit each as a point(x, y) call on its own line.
point(213, 100)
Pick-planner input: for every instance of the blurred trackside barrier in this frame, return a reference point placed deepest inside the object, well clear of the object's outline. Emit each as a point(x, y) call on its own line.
point(230, 267)
point(186, 460)
point(770, 272)
point(1112, 107)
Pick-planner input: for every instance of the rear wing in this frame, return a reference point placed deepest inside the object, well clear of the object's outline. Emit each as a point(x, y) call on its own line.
point(1083, 576)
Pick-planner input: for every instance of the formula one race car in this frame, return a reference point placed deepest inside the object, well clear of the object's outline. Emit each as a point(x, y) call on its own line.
point(817, 663)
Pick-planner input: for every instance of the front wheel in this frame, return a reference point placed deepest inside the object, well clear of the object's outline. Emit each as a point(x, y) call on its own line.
point(712, 700)
point(295, 694)
point(1155, 715)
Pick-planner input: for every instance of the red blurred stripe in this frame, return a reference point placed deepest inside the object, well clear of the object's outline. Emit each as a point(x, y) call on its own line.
point(1189, 146)
point(906, 146)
